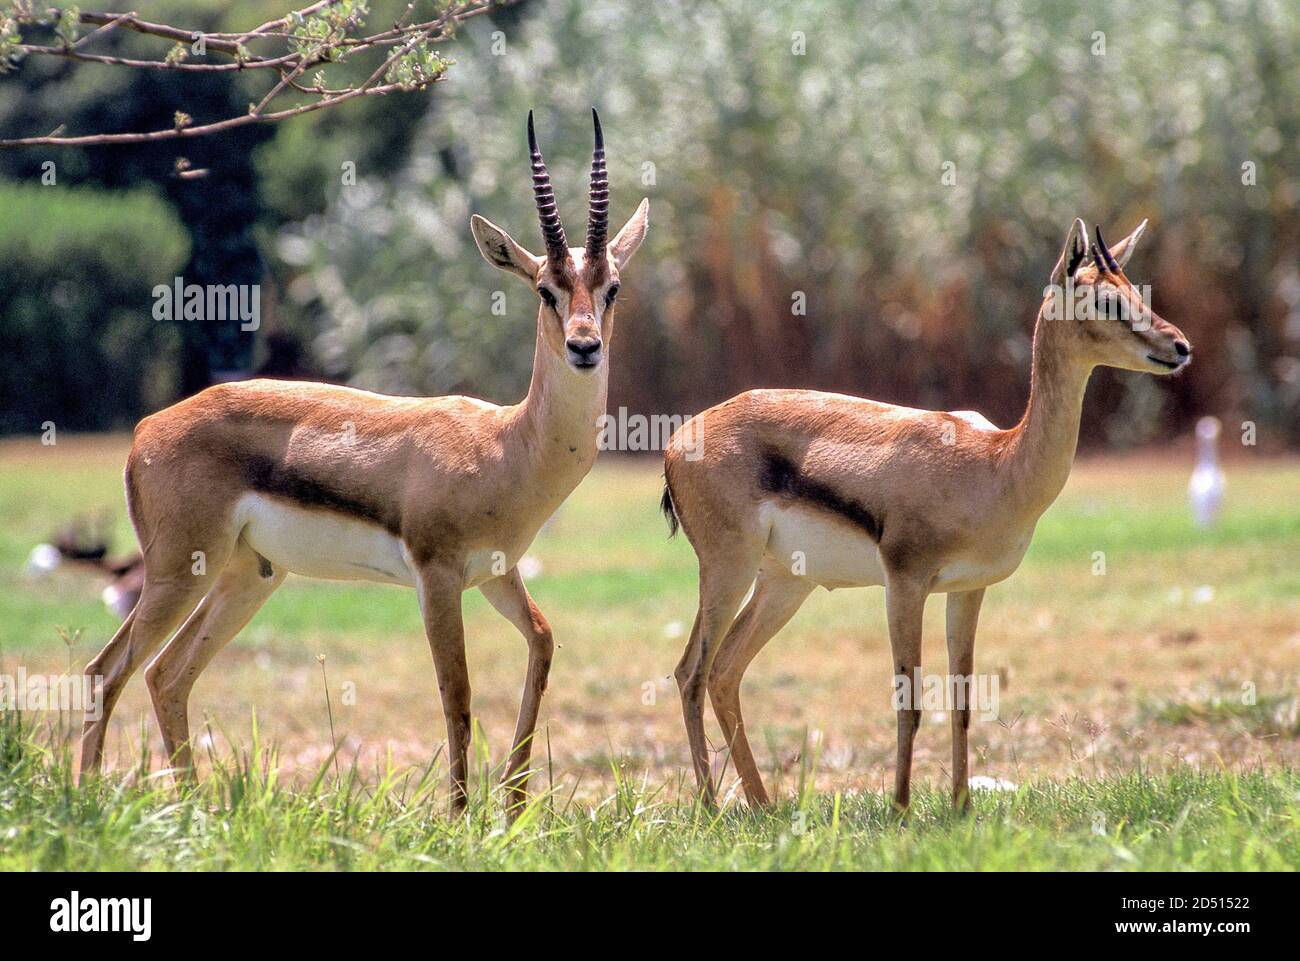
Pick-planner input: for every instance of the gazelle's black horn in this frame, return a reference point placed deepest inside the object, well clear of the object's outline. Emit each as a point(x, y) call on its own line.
point(598, 201)
point(1108, 261)
point(557, 248)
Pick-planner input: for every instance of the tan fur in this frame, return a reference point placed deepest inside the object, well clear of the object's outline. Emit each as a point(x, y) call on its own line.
point(943, 504)
point(459, 487)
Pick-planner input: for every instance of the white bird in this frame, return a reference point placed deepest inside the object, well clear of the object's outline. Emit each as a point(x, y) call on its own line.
point(529, 567)
point(1205, 489)
point(43, 559)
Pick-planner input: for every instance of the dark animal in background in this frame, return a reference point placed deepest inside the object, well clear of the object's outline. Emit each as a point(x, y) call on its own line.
point(87, 549)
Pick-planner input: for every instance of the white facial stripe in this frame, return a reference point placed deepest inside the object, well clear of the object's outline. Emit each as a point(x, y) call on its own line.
point(561, 297)
point(598, 300)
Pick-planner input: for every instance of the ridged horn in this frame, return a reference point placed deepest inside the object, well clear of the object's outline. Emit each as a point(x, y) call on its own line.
point(557, 248)
point(598, 200)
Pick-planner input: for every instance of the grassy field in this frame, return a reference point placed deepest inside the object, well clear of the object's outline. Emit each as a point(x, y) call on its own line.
point(1148, 714)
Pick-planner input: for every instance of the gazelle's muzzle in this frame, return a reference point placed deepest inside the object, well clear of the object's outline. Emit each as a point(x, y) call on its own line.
point(1167, 347)
point(583, 345)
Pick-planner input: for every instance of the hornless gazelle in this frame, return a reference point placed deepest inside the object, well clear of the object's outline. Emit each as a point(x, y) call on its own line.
point(260, 478)
point(862, 493)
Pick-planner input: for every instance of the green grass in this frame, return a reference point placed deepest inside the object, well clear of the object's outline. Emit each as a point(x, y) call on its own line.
point(1123, 718)
point(1269, 716)
point(635, 568)
point(242, 818)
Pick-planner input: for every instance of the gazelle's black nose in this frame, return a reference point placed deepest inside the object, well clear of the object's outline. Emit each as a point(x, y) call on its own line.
point(585, 351)
point(1182, 348)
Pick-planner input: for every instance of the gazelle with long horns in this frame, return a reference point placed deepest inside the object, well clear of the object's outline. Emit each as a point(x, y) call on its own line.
point(237, 486)
point(863, 493)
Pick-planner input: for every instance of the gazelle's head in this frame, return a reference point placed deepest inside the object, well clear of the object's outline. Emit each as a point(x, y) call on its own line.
point(1106, 316)
point(577, 285)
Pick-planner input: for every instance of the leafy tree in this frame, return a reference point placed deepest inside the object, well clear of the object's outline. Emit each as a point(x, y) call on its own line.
point(80, 347)
point(89, 75)
point(907, 170)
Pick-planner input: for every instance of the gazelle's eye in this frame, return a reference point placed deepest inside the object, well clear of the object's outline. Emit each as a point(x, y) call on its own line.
point(548, 298)
point(611, 294)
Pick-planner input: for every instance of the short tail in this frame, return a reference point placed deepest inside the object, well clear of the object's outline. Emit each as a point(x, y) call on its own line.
point(666, 505)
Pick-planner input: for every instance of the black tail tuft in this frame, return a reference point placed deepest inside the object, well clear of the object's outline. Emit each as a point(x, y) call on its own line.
point(666, 505)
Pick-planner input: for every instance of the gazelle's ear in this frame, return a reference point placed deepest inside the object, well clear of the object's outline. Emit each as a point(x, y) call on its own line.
point(625, 243)
point(1072, 254)
point(500, 249)
point(1123, 250)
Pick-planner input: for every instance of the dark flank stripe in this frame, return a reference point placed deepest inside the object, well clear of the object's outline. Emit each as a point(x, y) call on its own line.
point(267, 476)
point(781, 476)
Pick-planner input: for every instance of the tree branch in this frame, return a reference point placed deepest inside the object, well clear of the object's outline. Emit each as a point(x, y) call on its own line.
point(318, 35)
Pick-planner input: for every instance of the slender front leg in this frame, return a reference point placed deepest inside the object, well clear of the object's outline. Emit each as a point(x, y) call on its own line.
point(905, 603)
point(509, 596)
point(440, 592)
point(963, 614)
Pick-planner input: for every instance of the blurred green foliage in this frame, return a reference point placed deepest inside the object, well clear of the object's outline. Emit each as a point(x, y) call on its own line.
point(792, 148)
point(76, 270)
point(905, 169)
point(223, 209)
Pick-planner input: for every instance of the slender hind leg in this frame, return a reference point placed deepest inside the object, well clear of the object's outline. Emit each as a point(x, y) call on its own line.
point(722, 588)
point(164, 601)
point(92, 729)
point(510, 597)
point(242, 588)
point(963, 614)
point(775, 601)
point(905, 604)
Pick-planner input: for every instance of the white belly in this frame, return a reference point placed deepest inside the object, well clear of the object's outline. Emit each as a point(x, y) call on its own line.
point(834, 553)
point(816, 545)
point(318, 543)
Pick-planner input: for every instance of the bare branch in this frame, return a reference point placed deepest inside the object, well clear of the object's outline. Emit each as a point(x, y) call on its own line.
point(317, 35)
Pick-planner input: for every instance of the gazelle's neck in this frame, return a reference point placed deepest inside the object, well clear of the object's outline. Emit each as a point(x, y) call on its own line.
point(556, 422)
point(1042, 452)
